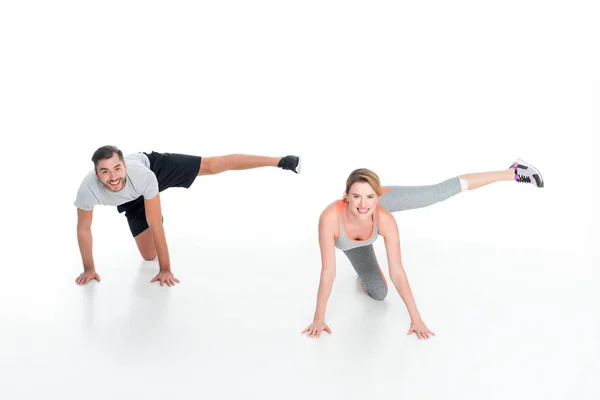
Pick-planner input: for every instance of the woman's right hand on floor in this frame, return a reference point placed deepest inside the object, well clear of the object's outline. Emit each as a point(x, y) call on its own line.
point(86, 277)
point(315, 329)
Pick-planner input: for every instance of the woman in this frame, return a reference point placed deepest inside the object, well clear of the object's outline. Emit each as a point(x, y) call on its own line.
point(353, 224)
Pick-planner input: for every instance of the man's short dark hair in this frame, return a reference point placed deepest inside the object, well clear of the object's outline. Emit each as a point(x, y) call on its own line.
point(104, 153)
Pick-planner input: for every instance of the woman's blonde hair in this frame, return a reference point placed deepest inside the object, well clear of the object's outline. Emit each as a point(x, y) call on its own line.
point(363, 175)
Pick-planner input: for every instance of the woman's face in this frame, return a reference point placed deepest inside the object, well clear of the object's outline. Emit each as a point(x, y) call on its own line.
point(362, 200)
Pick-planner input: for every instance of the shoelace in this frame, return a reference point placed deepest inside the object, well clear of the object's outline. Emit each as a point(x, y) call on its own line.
point(523, 178)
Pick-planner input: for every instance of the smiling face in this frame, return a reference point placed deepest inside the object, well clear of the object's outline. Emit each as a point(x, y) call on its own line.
point(112, 172)
point(362, 200)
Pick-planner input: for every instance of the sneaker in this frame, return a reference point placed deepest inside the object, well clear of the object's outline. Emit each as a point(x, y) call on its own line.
point(291, 163)
point(527, 173)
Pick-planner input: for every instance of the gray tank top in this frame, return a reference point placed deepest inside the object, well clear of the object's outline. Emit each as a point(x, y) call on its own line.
point(343, 242)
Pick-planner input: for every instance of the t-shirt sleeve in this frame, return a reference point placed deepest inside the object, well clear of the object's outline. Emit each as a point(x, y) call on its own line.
point(85, 200)
point(150, 188)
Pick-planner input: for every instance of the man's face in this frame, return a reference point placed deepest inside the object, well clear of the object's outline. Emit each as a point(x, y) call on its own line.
point(111, 173)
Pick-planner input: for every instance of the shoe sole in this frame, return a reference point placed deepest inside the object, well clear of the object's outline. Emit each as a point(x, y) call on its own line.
point(536, 173)
point(299, 166)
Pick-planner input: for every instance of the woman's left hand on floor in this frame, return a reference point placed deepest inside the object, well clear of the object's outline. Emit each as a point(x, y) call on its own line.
point(420, 329)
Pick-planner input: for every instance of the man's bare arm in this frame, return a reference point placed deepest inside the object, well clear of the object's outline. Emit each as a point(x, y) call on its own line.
point(84, 238)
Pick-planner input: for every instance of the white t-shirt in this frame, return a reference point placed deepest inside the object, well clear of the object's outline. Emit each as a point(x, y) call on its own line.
point(140, 181)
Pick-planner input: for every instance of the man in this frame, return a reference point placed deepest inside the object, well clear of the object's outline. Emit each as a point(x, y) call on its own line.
point(133, 182)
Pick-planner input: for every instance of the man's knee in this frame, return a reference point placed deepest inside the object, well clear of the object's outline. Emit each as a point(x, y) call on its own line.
point(215, 165)
point(148, 255)
point(145, 245)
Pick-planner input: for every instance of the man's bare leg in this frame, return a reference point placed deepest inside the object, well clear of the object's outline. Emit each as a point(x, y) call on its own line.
point(145, 243)
point(237, 162)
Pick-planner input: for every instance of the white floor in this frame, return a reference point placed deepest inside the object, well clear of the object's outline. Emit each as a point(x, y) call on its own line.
point(506, 276)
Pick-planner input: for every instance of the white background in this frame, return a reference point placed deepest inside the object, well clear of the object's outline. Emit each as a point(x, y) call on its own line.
point(506, 276)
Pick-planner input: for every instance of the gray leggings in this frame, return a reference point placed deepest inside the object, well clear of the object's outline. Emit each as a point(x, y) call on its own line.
point(399, 198)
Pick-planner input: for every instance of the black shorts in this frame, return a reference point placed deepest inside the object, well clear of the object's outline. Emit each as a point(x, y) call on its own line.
point(171, 170)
